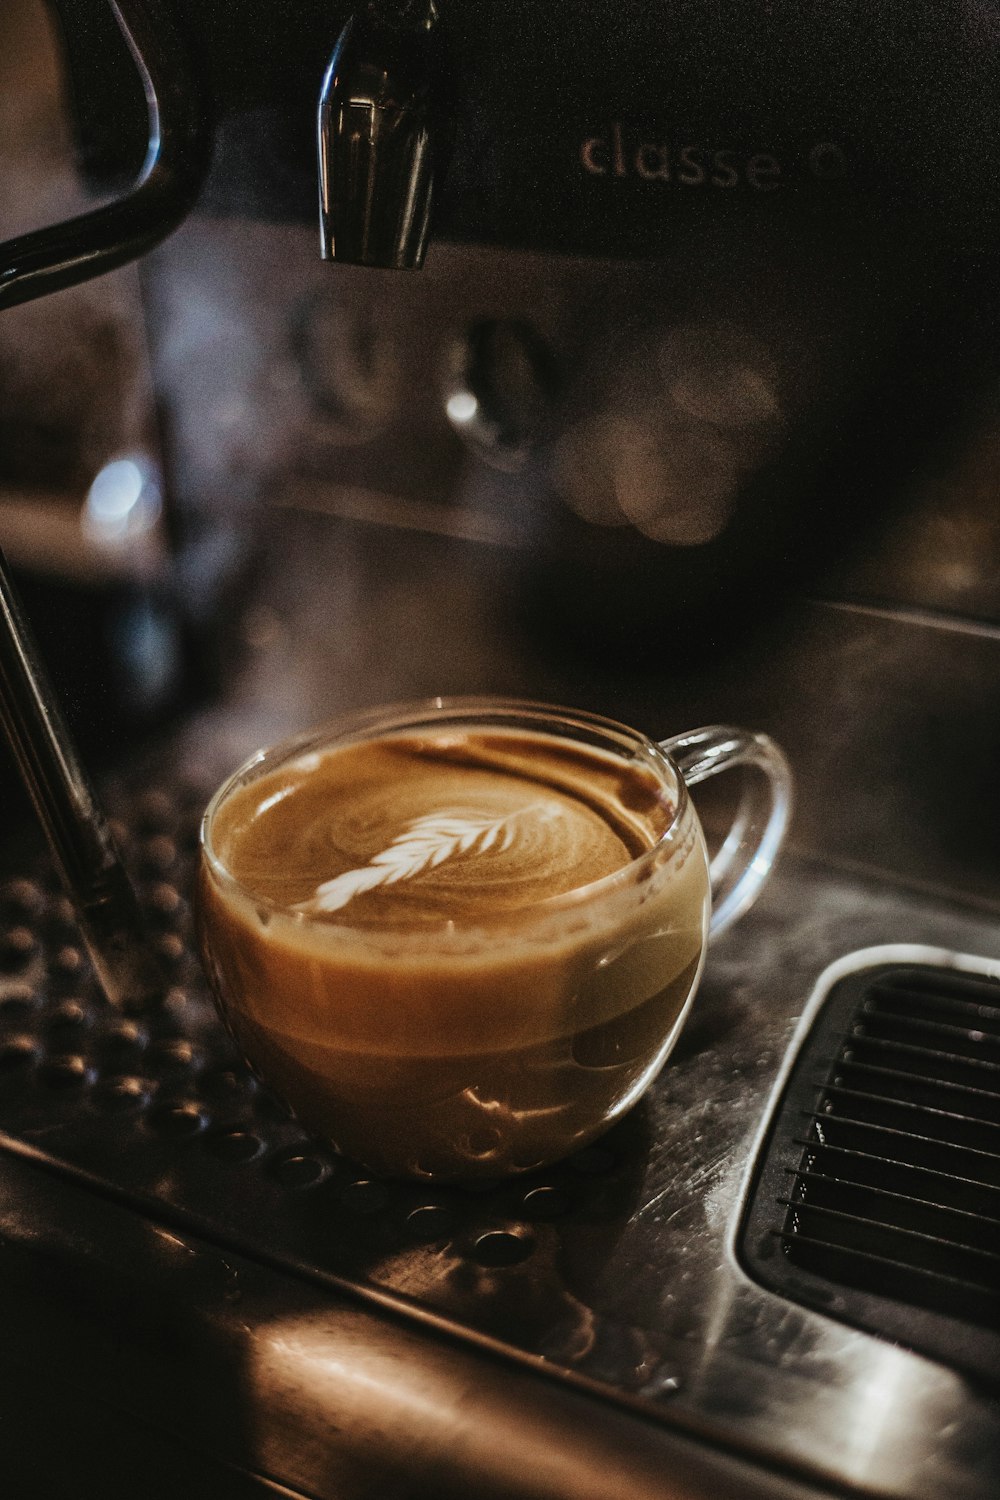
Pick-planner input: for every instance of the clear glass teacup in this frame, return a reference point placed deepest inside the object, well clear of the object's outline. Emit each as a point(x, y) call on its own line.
point(461, 937)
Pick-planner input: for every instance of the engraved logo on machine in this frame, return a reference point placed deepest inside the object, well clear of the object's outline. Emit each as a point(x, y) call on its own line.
point(622, 151)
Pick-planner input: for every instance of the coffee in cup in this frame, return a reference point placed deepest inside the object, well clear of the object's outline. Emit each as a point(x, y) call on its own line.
point(458, 938)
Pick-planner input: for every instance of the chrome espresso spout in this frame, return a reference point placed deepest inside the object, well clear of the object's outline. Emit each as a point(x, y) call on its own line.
point(380, 129)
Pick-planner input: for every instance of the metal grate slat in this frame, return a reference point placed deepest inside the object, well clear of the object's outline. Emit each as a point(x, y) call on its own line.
point(943, 1124)
point(975, 999)
point(906, 1201)
point(858, 1227)
point(875, 1168)
point(920, 1087)
point(896, 1278)
point(928, 1150)
point(974, 1071)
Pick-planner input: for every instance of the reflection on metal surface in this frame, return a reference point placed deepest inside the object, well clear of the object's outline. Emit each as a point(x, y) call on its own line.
point(690, 419)
point(502, 389)
point(461, 407)
point(124, 507)
point(375, 509)
point(926, 619)
point(347, 362)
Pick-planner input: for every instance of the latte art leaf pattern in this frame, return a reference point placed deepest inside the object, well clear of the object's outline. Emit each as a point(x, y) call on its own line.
point(426, 843)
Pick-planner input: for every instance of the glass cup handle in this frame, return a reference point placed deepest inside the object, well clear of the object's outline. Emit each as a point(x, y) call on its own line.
point(750, 848)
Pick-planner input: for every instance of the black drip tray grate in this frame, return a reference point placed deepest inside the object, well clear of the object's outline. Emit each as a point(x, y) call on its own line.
point(877, 1197)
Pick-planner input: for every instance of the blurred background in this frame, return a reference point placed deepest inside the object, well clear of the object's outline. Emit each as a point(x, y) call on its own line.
point(753, 477)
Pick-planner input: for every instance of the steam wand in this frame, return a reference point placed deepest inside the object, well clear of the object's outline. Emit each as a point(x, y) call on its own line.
point(81, 842)
point(82, 846)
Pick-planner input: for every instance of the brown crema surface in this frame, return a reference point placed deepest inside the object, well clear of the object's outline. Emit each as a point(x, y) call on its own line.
point(447, 826)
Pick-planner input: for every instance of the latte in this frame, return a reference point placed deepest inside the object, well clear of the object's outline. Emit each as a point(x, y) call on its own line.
point(457, 950)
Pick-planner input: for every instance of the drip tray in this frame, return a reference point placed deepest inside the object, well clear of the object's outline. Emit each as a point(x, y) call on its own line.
point(877, 1196)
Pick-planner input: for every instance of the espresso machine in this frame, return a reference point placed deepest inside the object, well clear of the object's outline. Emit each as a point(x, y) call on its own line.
point(638, 357)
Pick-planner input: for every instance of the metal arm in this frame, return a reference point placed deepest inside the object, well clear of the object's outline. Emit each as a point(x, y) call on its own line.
point(30, 266)
point(176, 162)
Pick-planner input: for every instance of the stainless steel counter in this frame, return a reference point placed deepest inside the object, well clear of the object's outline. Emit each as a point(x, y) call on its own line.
point(585, 1331)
